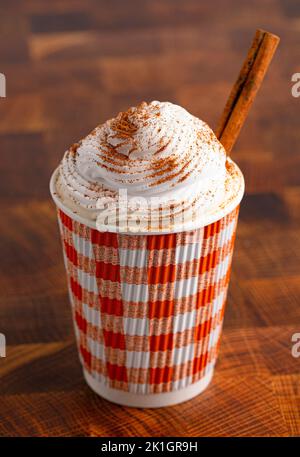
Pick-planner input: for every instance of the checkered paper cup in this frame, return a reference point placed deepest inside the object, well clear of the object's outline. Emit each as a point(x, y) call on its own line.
point(147, 308)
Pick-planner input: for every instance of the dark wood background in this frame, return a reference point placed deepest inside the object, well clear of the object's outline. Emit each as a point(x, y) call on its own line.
point(69, 66)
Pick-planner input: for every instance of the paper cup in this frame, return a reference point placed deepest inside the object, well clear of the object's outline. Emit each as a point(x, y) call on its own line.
point(147, 309)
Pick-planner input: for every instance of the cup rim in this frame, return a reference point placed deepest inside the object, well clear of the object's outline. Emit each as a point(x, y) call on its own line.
point(112, 229)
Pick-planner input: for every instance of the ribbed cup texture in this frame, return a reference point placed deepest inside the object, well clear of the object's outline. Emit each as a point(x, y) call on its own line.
point(148, 309)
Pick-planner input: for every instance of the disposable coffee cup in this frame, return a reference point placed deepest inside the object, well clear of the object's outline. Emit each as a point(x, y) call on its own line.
point(148, 308)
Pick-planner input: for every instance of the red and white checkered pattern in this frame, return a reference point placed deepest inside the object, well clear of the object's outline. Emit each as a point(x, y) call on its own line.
point(148, 309)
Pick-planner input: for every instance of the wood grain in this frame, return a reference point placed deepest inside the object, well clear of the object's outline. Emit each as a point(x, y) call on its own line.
point(71, 65)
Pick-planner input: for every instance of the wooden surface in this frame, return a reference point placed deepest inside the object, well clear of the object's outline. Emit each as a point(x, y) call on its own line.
point(69, 66)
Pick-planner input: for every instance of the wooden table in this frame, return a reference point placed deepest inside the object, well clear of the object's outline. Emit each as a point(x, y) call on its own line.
point(71, 65)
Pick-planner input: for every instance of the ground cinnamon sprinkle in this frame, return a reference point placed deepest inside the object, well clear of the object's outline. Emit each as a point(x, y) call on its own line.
point(184, 177)
point(109, 153)
point(107, 167)
point(73, 149)
point(229, 166)
point(171, 176)
point(123, 125)
point(163, 164)
point(163, 147)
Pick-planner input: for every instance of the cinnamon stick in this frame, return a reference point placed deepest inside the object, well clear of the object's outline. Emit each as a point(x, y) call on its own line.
point(246, 87)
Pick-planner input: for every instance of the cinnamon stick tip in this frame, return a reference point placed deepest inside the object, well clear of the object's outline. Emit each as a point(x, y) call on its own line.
point(274, 37)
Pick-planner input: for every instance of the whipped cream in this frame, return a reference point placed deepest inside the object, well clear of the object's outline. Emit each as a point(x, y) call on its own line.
point(165, 165)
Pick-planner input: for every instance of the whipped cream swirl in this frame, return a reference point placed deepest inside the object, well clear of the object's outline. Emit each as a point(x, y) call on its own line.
point(159, 153)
